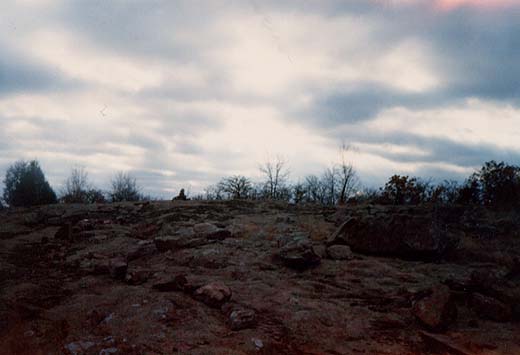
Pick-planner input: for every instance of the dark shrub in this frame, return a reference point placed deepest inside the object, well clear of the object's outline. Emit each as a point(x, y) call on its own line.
point(124, 188)
point(25, 185)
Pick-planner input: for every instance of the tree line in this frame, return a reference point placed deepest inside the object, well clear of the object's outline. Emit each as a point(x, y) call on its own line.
point(495, 184)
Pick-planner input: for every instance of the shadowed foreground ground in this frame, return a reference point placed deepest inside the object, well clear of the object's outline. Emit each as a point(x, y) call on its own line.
point(256, 278)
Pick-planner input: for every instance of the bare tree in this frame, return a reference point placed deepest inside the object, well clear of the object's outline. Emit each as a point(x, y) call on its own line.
point(124, 188)
point(329, 183)
point(236, 186)
point(276, 174)
point(76, 186)
point(348, 180)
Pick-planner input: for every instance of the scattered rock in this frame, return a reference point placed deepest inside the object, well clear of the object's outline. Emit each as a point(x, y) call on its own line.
point(340, 252)
point(299, 255)
point(214, 294)
point(490, 308)
point(437, 310)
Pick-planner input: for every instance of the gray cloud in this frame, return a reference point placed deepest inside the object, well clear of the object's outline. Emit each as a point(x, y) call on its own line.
point(209, 47)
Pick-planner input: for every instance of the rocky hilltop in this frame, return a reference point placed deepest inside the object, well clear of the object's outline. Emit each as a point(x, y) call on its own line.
point(233, 277)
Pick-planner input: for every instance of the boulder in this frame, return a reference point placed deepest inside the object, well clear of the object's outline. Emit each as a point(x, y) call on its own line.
point(437, 310)
point(214, 294)
point(491, 308)
point(395, 233)
point(299, 255)
point(340, 252)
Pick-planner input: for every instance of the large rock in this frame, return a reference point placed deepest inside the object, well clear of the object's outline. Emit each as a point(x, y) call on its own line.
point(394, 233)
point(490, 308)
point(437, 310)
point(211, 231)
point(214, 294)
point(299, 255)
point(191, 237)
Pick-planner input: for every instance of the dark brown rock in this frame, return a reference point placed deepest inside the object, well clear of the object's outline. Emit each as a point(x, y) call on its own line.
point(64, 233)
point(395, 233)
point(137, 277)
point(299, 255)
point(437, 310)
point(178, 283)
point(117, 268)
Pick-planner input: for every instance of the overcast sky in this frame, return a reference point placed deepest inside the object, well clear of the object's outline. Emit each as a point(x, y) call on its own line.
point(181, 93)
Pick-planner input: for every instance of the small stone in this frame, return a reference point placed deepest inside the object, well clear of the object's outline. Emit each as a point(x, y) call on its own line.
point(214, 294)
point(242, 319)
point(259, 344)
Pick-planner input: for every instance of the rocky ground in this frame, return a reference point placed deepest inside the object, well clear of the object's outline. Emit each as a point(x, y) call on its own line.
point(256, 278)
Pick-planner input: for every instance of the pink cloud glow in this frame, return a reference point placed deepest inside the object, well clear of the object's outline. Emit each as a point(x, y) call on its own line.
point(489, 4)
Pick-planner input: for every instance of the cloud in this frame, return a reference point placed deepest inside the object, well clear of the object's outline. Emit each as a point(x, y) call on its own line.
point(183, 92)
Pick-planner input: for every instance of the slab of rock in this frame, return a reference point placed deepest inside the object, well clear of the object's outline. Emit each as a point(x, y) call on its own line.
point(395, 234)
point(299, 255)
point(141, 249)
point(214, 294)
point(178, 241)
point(211, 231)
point(491, 308)
point(340, 252)
point(437, 310)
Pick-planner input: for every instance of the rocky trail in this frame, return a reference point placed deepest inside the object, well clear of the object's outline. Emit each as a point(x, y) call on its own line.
point(233, 277)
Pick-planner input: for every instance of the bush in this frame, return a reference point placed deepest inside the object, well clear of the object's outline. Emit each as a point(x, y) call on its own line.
point(403, 190)
point(495, 184)
point(124, 188)
point(236, 187)
point(25, 185)
point(78, 190)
